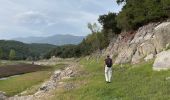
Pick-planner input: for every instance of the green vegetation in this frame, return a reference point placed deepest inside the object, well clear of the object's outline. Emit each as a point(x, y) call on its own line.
point(18, 84)
point(130, 82)
point(12, 54)
point(1, 53)
point(66, 51)
point(110, 29)
point(30, 81)
point(136, 13)
point(24, 51)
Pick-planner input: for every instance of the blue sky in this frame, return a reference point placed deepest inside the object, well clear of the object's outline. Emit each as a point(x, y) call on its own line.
point(23, 18)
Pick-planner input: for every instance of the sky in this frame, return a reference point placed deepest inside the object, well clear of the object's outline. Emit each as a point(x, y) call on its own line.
point(25, 18)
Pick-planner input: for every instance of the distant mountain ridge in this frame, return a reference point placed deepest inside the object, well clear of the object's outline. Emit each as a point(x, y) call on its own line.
point(55, 39)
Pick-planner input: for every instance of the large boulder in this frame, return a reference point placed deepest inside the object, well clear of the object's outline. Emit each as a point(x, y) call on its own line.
point(162, 36)
point(162, 61)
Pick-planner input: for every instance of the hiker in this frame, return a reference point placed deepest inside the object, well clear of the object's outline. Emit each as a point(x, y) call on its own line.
point(108, 69)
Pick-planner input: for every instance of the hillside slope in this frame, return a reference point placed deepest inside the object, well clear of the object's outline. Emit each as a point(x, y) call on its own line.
point(55, 40)
point(23, 50)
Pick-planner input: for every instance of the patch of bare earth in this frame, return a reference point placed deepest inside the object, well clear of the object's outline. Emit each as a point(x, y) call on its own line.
point(10, 70)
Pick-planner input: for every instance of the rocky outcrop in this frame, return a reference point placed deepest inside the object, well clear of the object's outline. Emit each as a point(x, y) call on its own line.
point(126, 54)
point(143, 44)
point(162, 61)
point(162, 36)
point(149, 57)
point(2, 96)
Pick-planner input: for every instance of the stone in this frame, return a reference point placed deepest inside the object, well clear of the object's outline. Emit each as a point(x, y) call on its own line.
point(162, 61)
point(162, 36)
point(147, 48)
point(137, 57)
point(149, 57)
point(51, 83)
point(143, 50)
point(144, 33)
point(56, 75)
point(2, 96)
point(149, 39)
point(125, 56)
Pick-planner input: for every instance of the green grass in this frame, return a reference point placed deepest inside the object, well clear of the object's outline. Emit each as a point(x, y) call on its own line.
point(18, 84)
point(15, 85)
point(130, 82)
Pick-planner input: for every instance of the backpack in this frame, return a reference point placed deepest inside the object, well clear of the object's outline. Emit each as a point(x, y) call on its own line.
point(108, 62)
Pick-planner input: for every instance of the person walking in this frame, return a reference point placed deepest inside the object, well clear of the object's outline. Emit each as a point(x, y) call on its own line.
point(108, 69)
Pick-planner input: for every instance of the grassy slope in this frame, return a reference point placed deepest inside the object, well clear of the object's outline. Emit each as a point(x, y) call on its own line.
point(20, 83)
point(137, 82)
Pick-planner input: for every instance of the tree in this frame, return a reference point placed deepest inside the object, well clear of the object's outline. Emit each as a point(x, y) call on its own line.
point(1, 53)
point(109, 23)
point(94, 28)
point(136, 13)
point(120, 1)
point(12, 54)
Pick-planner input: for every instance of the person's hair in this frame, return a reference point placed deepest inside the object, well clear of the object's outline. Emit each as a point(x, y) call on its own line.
point(108, 56)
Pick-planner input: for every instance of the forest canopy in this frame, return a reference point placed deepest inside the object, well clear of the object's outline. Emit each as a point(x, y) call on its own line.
point(136, 13)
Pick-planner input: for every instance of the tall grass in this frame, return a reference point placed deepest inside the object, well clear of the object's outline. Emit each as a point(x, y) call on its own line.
point(129, 82)
point(18, 84)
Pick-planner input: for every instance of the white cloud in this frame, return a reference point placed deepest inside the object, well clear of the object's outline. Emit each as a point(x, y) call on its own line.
point(47, 17)
point(32, 19)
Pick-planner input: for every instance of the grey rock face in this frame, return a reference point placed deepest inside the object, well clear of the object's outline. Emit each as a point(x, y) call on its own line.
point(149, 57)
point(2, 96)
point(126, 54)
point(144, 33)
point(148, 41)
point(145, 45)
point(162, 35)
point(140, 46)
point(162, 61)
point(137, 57)
point(143, 50)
